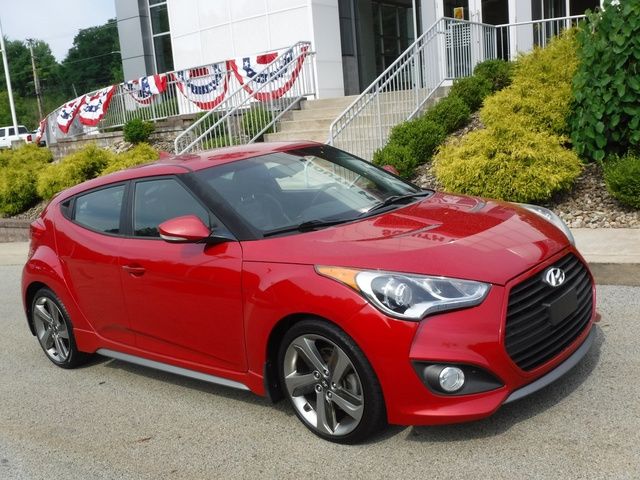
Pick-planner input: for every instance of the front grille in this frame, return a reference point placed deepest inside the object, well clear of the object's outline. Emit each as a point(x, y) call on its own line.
point(531, 339)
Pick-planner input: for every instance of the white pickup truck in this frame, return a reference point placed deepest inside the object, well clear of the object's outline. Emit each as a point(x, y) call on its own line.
point(8, 136)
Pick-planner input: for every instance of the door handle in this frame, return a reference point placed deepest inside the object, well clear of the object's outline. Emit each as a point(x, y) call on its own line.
point(134, 270)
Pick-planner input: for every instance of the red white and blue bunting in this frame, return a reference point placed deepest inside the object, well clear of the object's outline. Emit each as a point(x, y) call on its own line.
point(249, 71)
point(68, 112)
point(95, 107)
point(145, 89)
point(204, 86)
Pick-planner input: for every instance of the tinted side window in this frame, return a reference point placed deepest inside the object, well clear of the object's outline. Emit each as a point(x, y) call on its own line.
point(10, 132)
point(159, 200)
point(22, 130)
point(1, 132)
point(100, 210)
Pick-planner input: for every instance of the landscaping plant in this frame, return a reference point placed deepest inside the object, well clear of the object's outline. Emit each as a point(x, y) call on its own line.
point(138, 155)
point(606, 89)
point(622, 176)
point(137, 130)
point(18, 172)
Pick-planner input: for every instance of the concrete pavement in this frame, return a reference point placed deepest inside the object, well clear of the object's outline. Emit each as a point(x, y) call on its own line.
point(613, 254)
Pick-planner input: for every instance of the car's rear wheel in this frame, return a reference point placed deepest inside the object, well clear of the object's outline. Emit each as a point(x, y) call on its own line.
point(54, 330)
point(330, 383)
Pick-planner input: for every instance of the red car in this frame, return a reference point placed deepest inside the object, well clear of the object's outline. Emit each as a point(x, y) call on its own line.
point(297, 270)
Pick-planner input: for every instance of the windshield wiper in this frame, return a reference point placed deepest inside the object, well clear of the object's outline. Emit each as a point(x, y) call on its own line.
point(393, 199)
point(307, 226)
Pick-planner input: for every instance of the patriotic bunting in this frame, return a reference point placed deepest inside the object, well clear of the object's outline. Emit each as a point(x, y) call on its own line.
point(68, 112)
point(283, 73)
point(144, 89)
point(204, 86)
point(42, 126)
point(95, 107)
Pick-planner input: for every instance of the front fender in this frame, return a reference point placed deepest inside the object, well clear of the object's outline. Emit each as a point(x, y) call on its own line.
point(274, 292)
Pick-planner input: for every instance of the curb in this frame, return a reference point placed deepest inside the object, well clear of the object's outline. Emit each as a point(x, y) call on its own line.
point(627, 274)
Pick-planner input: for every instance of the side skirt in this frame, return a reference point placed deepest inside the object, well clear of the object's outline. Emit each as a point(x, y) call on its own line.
point(125, 357)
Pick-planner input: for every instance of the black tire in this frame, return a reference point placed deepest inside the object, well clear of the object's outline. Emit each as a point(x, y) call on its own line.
point(357, 383)
point(58, 332)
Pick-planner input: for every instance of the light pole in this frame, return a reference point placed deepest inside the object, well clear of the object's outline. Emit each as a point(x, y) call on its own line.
point(6, 74)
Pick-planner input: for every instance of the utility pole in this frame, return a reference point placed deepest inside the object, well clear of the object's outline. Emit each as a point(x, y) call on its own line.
point(6, 74)
point(36, 80)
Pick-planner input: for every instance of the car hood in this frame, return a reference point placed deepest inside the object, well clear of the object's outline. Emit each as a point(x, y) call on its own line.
point(446, 235)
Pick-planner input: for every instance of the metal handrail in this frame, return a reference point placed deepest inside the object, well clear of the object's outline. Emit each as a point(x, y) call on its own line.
point(447, 50)
point(365, 124)
point(252, 110)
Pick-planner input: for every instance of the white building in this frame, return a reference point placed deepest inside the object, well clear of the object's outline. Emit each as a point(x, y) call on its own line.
point(355, 40)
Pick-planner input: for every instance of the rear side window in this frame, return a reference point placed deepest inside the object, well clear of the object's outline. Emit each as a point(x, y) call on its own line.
point(159, 200)
point(22, 129)
point(100, 210)
point(2, 132)
point(9, 132)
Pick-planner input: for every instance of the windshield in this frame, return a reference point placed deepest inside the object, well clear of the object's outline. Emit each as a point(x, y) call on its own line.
point(295, 189)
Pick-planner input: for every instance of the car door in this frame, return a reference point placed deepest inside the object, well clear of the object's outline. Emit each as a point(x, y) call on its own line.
point(184, 300)
point(88, 246)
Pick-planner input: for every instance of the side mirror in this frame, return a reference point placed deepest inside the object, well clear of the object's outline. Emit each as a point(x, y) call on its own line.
point(187, 229)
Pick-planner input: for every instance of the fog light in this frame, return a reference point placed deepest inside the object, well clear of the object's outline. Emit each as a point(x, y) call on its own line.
point(451, 379)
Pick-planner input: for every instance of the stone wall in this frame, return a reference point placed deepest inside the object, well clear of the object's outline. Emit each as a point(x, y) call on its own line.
point(13, 230)
point(166, 131)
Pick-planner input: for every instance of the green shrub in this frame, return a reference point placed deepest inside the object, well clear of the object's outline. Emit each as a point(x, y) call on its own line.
point(18, 171)
point(137, 130)
point(606, 88)
point(472, 90)
point(421, 136)
point(138, 155)
point(73, 169)
point(451, 113)
point(398, 156)
point(509, 163)
point(17, 190)
point(497, 72)
point(540, 95)
point(255, 120)
point(622, 176)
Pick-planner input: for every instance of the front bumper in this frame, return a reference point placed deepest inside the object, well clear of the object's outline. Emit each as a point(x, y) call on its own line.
point(474, 337)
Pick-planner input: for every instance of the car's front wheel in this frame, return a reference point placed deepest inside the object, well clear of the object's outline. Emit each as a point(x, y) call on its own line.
point(330, 383)
point(54, 330)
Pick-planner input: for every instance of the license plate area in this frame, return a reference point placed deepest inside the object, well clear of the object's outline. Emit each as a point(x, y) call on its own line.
point(563, 306)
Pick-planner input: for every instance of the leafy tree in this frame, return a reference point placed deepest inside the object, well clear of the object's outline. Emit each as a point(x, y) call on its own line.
point(93, 61)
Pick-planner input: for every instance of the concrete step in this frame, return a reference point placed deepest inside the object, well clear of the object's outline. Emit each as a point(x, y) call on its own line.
point(337, 102)
point(311, 135)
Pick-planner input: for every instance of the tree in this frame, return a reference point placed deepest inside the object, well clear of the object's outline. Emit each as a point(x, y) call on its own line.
point(94, 60)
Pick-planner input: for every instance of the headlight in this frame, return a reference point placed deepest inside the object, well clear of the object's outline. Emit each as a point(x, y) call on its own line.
point(552, 218)
point(409, 297)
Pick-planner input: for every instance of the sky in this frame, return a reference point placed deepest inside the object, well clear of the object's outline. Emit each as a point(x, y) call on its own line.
point(54, 21)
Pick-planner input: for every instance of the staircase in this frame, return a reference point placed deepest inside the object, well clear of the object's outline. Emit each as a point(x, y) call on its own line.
point(312, 121)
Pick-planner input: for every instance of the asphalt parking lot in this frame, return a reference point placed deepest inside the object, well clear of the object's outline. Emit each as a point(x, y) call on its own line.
point(111, 420)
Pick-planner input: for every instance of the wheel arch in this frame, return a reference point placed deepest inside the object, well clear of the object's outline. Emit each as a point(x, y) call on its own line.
point(29, 295)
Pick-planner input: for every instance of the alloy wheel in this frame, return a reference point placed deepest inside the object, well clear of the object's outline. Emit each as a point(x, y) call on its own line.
point(323, 385)
point(52, 329)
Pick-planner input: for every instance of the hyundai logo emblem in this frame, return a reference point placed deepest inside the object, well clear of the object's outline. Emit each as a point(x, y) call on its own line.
point(554, 276)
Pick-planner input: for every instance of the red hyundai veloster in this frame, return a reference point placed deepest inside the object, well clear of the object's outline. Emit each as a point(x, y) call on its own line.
point(298, 270)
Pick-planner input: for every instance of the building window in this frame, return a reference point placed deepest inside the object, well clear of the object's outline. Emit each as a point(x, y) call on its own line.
point(159, 19)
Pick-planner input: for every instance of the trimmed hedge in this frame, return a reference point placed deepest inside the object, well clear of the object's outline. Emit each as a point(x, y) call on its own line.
point(497, 72)
point(451, 113)
point(520, 155)
point(137, 130)
point(73, 169)
point(398, 156)
point(138, 155)
point(622, 176)
point(509, 163)
point(18, 172)
point(471, 90)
